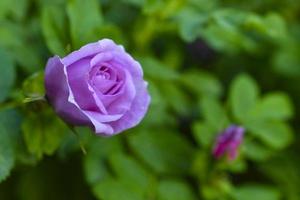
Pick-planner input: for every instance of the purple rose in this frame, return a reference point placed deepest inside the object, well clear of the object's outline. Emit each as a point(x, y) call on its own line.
point(100, 86)
point(228, 142)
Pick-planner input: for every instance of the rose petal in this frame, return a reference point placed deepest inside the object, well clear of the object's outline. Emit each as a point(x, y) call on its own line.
point(78, 80)
point(137, 111)
point(90, 50)
point(57, 92)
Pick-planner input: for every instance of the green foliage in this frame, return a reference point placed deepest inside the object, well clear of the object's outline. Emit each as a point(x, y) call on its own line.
point(53, 24)
point(208, 64)
point(7, 156)
point(42, 133)
point(243, 97)
point(174, 189)
point(8, 74)
point(83, 26)
point(157, 146)
point(247, 192)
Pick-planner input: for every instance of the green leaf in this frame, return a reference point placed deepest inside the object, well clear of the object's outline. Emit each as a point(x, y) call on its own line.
point(175, 97)
point(158, 114)
point(95, 167)
point(7, 75)
point(286, 59)
point(53, 27)
point(7, 157)
point(284, 170)
point(15, 38)
point(243, 96)
point(33, 86)
point(151, 66)
point(273, 133)
point(131, 173)
point(256, 151)
point(250, 192)
point(213, 113)
point(43, 132)
point(204, 134)
point(171, 152)
point(202, 83)
point(191, 22)
point(274, 106)
point(112, 189)
point(175, 189)
point(15, 8)
point(85, 18)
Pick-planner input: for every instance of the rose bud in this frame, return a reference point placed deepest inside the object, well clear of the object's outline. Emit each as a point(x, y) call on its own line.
point(228, 142)
point(99, 86)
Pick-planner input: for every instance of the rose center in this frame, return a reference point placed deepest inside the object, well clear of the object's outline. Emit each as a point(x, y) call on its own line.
point(105, 80)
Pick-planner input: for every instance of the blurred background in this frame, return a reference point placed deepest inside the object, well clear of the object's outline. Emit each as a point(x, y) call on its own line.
point(209, 64)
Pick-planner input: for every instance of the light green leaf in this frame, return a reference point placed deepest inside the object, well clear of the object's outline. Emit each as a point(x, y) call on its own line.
point(85, 18)
point(202, 83)
point(53, 27)
point(171, 152)
point(204, 134)
point(250, 192)
point(7, 75)
point(33, 86)
point(15, 8)
point(175, 97)
point(273, 106)
point(95, 167)
point(15, 38)
point(191, 23)
point(43, 132)
point(132, 173)
point(256, 151)
point(213, 113)
point(151, 66)
point(175, 189)
point(112, 189)
point(273, 133)
point(243, 96)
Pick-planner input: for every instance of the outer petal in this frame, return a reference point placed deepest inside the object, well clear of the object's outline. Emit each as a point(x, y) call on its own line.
point(90, 50)
point(57, 92)
point(137, 111)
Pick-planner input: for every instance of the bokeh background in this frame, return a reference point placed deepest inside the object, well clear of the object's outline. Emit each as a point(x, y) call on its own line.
point(209, 64)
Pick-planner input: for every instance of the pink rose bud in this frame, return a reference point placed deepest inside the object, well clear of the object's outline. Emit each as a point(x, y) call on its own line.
point(100, 86)
point(228, 142)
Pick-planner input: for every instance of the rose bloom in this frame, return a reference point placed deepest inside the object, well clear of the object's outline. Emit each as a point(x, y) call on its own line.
point(228, 142)
point(100, 86)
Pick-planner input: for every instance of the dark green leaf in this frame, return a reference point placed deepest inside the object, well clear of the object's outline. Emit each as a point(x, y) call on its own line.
point(171, 152)
point(7, 75)
point(7, 156)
